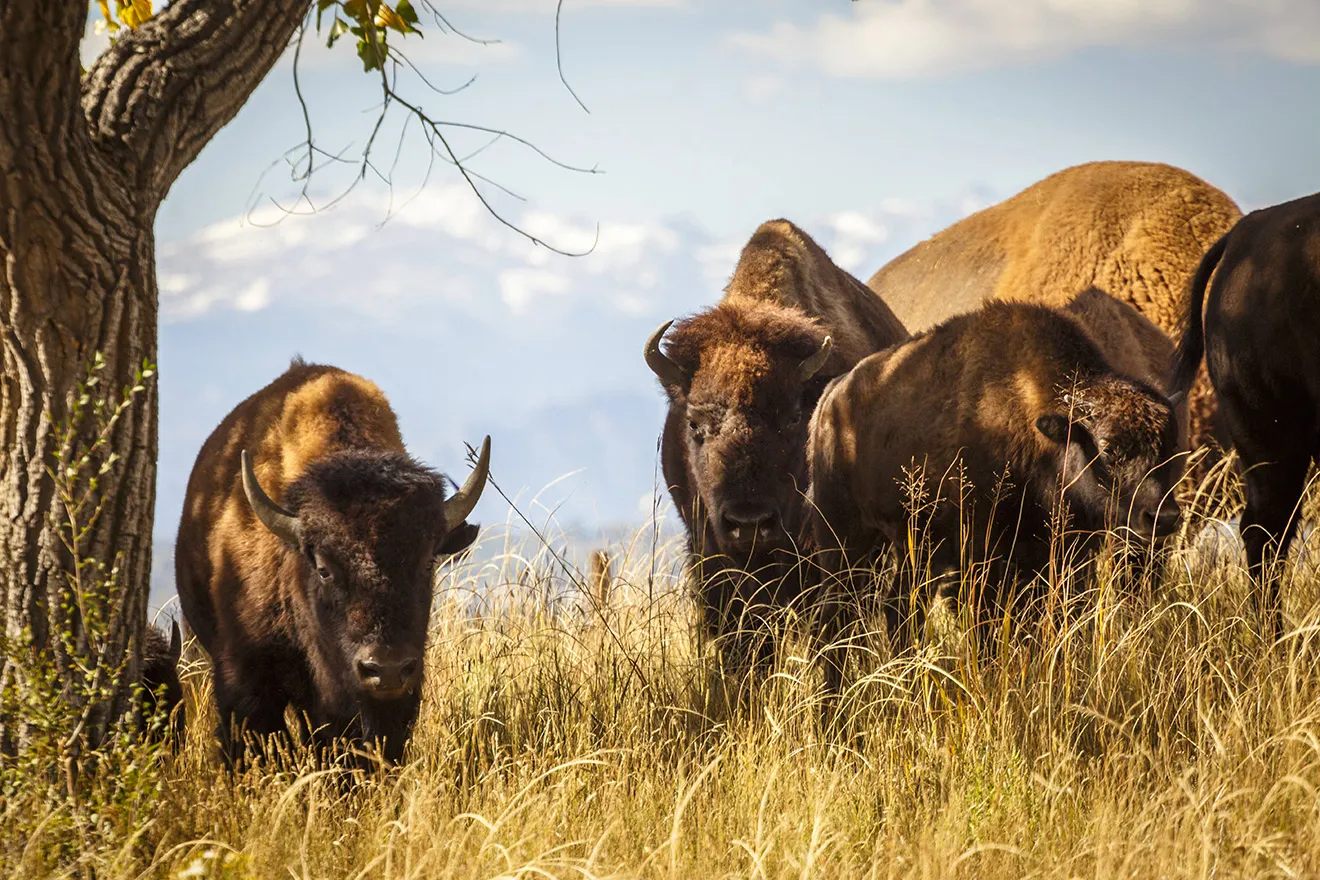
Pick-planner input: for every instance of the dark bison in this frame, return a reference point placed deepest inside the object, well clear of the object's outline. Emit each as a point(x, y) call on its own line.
point(1258, 331)
point(1136, 230)
point(742, 380)
point(162, 693)
point(1006, 419)
point(319, 600)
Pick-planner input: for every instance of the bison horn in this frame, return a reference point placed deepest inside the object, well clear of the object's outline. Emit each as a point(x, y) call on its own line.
point(811, 366)
point(176, 642)
point(272, 516)
point(669, 372)
point(460, 506)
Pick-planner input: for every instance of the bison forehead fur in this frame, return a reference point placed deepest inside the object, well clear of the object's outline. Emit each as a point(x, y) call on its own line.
point(1134, 421)
point(736, 349)
point(385, 503)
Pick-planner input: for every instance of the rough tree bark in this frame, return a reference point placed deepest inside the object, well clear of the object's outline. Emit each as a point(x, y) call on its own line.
point(85, 162)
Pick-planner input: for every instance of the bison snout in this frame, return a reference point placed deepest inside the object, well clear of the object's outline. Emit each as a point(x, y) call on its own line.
point(746, 523)
point(386, 672)
point(1163, 523)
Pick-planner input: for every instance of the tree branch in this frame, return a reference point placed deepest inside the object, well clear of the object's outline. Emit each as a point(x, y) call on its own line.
point(162, 91)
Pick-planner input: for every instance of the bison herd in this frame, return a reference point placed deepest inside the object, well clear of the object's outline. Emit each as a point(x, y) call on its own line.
point(1004, 394)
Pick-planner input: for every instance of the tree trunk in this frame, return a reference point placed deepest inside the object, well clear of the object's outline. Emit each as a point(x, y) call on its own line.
point(84, 165)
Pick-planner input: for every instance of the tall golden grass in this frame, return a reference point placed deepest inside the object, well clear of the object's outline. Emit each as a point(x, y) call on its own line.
point(1121, 735)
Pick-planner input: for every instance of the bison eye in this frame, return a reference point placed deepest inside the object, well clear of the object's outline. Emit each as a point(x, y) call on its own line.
point(324, 573)
point(696, 431)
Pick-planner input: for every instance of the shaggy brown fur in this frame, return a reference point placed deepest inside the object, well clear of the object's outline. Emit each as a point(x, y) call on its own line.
point(1136, 230)
point(314, 625)
point(734, 440)
point(996, 411)
point(162, 692)
point(1131, 344)
point(1260, 332)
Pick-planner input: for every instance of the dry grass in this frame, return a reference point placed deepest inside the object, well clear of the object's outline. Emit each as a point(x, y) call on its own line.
point(1122, 737)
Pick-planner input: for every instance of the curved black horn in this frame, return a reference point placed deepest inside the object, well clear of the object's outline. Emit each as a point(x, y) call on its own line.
point(669, 372)
point(811, 366)
point(464, 501)
point(272, 516)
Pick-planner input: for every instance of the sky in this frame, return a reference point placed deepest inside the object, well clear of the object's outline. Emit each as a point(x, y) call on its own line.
point(872, 124)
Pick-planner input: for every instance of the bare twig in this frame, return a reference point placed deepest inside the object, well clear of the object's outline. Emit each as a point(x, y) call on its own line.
point(389, 61)
point(559, 59)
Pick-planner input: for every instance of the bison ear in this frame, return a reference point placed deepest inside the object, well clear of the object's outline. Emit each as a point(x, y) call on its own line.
point(1055, 428)
point(458, 540)
point(176, 643)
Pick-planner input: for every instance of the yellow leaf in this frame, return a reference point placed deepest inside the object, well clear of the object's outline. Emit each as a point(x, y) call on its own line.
point(136, 12)
point(388, 18)
point(110, 24)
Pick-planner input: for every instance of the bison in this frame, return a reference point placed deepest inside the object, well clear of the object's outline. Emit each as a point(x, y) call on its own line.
point(305, 556)
point(1136, 230)
point(161, 698)
point(1257, 330)
point(1015, 418)
point(742, 379)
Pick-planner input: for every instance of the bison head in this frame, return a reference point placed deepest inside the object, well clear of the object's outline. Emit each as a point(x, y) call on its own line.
point(367, 528)
point(1115, 451)
point(742, 379)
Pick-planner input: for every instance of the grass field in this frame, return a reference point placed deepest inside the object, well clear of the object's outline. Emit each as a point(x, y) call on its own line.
point(1121, 736)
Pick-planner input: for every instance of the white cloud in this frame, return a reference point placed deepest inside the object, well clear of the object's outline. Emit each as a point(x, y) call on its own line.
point(436, 249)
point(764, 88)
point(914, 38)
point(519, 288)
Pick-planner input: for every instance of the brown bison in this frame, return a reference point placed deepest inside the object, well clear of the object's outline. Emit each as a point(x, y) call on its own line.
point(161, 699)
point(742, 380)
point(319, 597)
point(1257, 328)
point(1005, 420)
point(1136, 230)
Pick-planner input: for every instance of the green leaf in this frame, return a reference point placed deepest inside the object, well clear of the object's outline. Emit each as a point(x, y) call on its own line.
point(406, 11)
point(337, 30)
point(370, 58)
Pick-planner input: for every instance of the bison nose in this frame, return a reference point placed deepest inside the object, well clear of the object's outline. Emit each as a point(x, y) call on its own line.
point(744, 522)
point(1162, 523)
point(1166, 523)
point(387, 672)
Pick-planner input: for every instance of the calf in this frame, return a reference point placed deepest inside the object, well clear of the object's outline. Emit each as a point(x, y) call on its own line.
point(1013, 417)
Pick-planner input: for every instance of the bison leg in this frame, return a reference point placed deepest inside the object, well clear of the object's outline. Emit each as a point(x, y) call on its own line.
point(245, 708)
point(1274, 489)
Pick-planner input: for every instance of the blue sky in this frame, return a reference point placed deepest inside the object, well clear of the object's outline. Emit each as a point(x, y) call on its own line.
point(872, 124)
